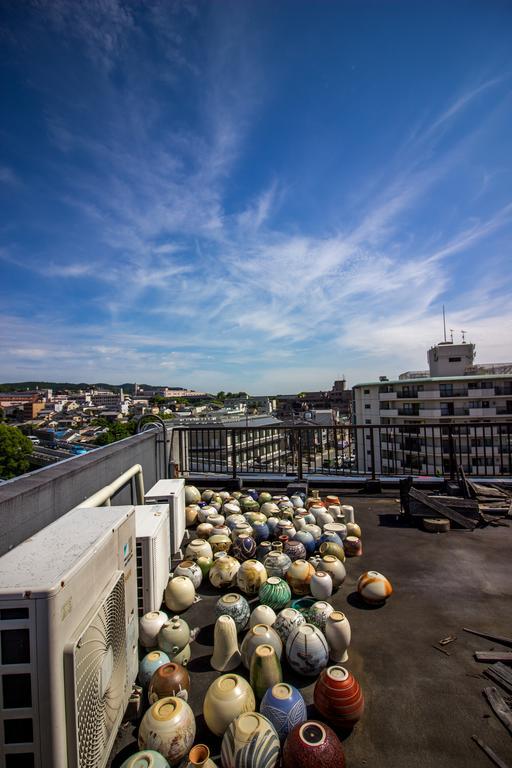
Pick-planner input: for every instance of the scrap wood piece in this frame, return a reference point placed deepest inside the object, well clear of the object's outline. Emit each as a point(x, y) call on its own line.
point(499, 706)
point(505, 656)
point(441, 509)
point(446, 640)
point(493, 638)
point(443, 650)
point(500, 674)
point(490, 753)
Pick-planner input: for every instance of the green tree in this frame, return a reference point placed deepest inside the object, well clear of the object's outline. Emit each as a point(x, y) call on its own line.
point(221, 396)
point(117, 431)
point(15, 450)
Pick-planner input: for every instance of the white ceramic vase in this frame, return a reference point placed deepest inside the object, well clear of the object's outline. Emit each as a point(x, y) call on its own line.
point(262, 614)
point(338, 635)
point(149, 626)
point(321, 585)
point(227, 697)
point(179, 593)
point(226, 655)
point(168, 727)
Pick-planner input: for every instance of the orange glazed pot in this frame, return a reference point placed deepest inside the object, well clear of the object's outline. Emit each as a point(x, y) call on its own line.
point(169, 680)
point(338, 697)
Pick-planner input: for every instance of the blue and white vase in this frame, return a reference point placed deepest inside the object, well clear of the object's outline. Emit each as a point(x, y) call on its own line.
point(260, 531)
point(307, 540)
point(284, 706)
point(235, 606)
point(286, 620)
point(329, 536)
point(250, 741)
point(307, 650)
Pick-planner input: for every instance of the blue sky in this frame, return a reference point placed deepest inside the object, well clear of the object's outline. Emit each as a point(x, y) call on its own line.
point(250, 194)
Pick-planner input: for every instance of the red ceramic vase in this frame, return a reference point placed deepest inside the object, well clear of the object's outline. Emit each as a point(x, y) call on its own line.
point(312, 744)
point(338, 697)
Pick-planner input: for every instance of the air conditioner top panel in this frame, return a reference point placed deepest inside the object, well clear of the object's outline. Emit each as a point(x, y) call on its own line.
point(149, 518)
point(39, 564)
point(165, 488)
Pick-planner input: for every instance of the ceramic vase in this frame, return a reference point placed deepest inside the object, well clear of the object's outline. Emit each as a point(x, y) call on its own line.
point(174, 635)
point(205, 512)
point(286, 620)
point(260, 531)
point(277, 563)
point(220, 543)
point(318, 614)
point(338, 635)
point(192, 570)
point(192, 495)
point(199, 757)
point(348, 513)
point(265, 670)
point(223, 572)
point(227, 697)
point(182, 657)
point(226, 655)
point(297, 502)
point(254, 517)
point(235, 519)
point(149, 627)
point(149, 664)
point(205, 563)
point(331, 548)
point(316, 509)
point(314, 530)
point(169, 727)
point(216, 520)
point(338, 697)
point(262, 614)
point(260, 634)
point(299, 521)
point(244, 547)
point(251, 576)
point(329, 536)
point(272, 526)
point(307, 650)
point(262, 550)
point(203, 531)
point(353, 546)
point(335, 568)
point(191, 513)
point(269, 509)
point(250, 741)
point(224, 496)
point(374, 588)
point(321, 585)
point(275, 592)
point(179, 593)
point(299, 575)
point(198, 548)
point(207, 495)
point(353, 529)
point(323, 517)
point(231, 508)
point(295, 550)
point(285, 707)
point(340, 529)
point(331, 500)
point(307, 540)
point(285, 528)
point(264, 497)
point(235, 606)
point(312, 745)
point(169, 680)
point(148, 758)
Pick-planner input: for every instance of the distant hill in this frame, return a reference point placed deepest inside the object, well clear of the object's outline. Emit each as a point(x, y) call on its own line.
point(17, 386)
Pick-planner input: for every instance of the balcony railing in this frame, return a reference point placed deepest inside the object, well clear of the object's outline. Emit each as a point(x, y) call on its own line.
point(353, 451)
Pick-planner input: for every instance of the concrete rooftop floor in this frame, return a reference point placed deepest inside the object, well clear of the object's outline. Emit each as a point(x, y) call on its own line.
point(421, 706)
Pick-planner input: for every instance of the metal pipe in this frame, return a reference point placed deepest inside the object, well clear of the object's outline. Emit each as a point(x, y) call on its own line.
point(103, 496)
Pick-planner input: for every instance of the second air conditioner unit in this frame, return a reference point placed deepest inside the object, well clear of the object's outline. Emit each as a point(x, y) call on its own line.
point(173, 493)
point(153, 555)
point(68, 639)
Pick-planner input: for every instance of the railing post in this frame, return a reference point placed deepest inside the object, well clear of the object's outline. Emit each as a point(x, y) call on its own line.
point(299, 455)
point(372, 450)
point(233, 454)
point(451, 445)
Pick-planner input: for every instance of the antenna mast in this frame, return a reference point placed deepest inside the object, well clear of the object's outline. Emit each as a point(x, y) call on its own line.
point(444, 325)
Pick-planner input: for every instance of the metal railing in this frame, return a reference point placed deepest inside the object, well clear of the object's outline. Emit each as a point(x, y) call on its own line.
point(481, 448)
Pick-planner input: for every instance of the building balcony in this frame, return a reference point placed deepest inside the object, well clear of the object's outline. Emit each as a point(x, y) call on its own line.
point(385, 396)
point(428, 394)
point(388, 413)
point(482, 413)
point(430, 413)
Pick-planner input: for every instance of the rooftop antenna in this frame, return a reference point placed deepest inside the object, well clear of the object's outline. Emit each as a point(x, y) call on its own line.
point(451, 335)
point(463, 336)
point(444, 325)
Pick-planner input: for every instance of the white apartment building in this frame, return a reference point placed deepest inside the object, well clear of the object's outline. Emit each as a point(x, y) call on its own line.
point(454, 412)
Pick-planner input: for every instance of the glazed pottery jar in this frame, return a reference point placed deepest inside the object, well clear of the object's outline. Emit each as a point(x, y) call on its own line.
point(169, 680)
point(277, 563)
point(297, 502)
point(254, 517)
point(277, 546)
point(191, 513)
point(149, 627)
point(286, 620)
point(335, 568)
point(323, 517)
point(314, 530)
point(235, 519)
point(168, 726)
point(182, 657)
point(338, 697)
point(262, 614)
point(260, 531)
point(319, 612)
point(265, 670)
point(307, 540)
point(231, 507)
point(295, 549)
point(219, 543)
point(269, 509)
point(299, 576)
point(264, 497)
point(198, 548)
point(329, 536)
point(244, 547)
point(223, 571)
point(275, 592)
point(204, 531)
point(338, 635)
point(262, 550)
point(315, 560)
point(239, 529)
point(251, 576)
point(224, 496)
point(353, 546)
point(374, 588)
point(272, 526)
point(340, 529)
point(227, 697)
point(312, 744)
point(179, 593)
point(331, 548)
point(317, 509)
point(250, 741)
point(353, 529)
point(205, 563)
point(199, 757)
point(150, 664)
point(303, 605)
point(174, 635)
point(285, 707)
point(348, 513)
point(207, 495)
point(299, 521)
point(248, 504)
point(192, 495)
point(216, 520)
point(307, 650)
point(260, 634)
point(148, 758)
point(205, 512)
point(331, 500)
point(285, 528)
point(226, 655)
point(235, 606)
point(321, 585)
point(192, 570)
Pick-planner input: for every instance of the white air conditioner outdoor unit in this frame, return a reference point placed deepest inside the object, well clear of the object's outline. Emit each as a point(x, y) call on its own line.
point(153, 555)
point(68, 640)
point(171, 492)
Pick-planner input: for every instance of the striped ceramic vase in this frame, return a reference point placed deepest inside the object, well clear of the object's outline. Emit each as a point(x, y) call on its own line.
point(275, 592)
point(250, 741)
point(338, 697)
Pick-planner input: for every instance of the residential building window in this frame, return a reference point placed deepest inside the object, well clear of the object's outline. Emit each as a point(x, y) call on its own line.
point(367, 421)
point(454, 359)
point(366, 391)
point(367, 405)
